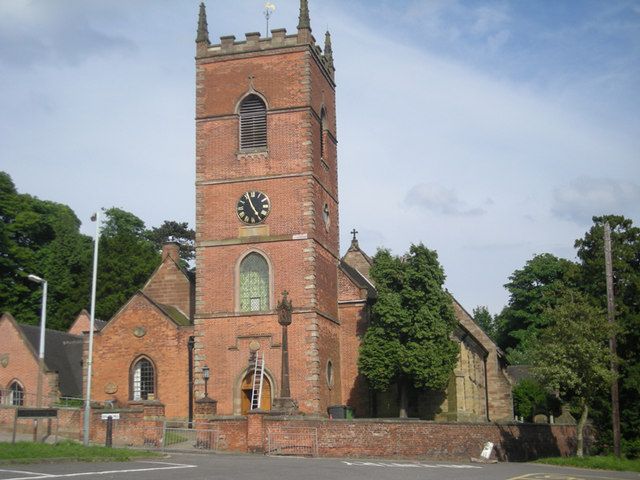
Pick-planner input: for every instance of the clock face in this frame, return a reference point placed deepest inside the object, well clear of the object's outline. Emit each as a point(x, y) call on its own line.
point(253, 207)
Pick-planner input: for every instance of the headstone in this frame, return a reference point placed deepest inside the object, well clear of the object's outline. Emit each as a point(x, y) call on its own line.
point(540, 418)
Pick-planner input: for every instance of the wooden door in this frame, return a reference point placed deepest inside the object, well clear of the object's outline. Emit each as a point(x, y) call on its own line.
point(245, 394)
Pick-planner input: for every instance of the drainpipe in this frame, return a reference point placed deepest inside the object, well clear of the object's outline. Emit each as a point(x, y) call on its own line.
point(190, 345)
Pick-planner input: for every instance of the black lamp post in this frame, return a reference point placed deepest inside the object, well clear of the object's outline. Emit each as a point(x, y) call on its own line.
point(205, 374)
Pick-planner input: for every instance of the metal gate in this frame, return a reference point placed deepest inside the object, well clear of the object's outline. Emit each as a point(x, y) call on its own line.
point(180, 437)
point(293, 441)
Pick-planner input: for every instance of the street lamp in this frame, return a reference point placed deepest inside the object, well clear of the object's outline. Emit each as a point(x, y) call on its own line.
point(43, 323)
point(205, 374)
point(87, 401)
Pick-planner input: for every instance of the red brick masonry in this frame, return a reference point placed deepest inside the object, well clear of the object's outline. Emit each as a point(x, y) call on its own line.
point(377, 438)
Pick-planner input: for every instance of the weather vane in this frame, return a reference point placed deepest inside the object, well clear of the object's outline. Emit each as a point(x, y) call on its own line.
point(269, 8)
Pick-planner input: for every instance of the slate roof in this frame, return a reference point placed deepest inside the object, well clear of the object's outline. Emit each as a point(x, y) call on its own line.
point(62, 354)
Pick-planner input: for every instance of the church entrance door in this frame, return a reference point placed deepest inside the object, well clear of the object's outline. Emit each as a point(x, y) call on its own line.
point(245, 393)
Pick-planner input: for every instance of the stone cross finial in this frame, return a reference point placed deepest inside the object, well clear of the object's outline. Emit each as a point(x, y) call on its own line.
point(203, 32)
point(354, 240)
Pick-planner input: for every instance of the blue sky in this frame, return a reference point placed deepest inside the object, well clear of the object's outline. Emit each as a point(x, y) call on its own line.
point(488, 130)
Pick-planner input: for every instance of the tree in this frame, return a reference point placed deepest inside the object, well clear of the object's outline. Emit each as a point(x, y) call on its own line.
point(485, 320)
point(409, 339)
point(533, 290)
point(126, 260)
point(42, 238)
point(531, 398)
point(573, 357)
point(171, 231)
point(625, 241)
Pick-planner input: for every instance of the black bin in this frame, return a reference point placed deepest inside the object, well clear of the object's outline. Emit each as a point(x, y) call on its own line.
point(339, 411)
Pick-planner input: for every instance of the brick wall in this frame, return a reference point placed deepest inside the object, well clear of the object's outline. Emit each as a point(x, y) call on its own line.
point(22, 365)
point(121, 342)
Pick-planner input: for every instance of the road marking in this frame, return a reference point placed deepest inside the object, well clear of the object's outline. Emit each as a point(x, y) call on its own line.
point(406, 465)
point(559, 476)
point(170, 466)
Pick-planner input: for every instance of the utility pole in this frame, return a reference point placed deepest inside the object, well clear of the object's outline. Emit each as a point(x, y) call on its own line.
point(615, 397)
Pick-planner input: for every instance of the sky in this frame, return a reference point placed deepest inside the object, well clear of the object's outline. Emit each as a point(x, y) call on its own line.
point(490, 131)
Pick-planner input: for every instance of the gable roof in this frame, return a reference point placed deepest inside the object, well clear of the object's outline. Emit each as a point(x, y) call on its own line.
point(62, 354)
point(359, 279)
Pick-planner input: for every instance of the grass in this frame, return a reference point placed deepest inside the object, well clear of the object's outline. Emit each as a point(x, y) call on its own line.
point(600, 463)
point(28, 452)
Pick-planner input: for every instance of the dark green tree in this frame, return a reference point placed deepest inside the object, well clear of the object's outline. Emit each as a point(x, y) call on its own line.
point(42, 238)
point(172, 231)
point(126, 260)
point(409, 340)
point(533, 290)
point(572, 357)
point(625, 246)
point(485, 320)
point(531, 398)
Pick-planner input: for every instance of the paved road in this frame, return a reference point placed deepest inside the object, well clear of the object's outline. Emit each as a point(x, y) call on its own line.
point(256, 467)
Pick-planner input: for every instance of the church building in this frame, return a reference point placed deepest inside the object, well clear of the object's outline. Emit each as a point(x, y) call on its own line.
point(268, 260)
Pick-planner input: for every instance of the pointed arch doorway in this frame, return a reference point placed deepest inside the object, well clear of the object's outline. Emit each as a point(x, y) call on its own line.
point(245, 393)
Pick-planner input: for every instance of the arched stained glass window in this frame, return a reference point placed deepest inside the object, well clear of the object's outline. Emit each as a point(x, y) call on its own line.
point(16, 394)
point(253, 123)
point(143, 380)
point(254, 283)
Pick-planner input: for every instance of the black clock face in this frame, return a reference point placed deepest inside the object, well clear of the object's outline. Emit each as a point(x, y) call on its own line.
point(253, 207)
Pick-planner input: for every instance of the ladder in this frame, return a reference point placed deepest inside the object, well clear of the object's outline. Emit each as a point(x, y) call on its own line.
point(257, 362)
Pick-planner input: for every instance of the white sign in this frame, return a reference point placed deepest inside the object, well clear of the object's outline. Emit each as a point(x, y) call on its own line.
point(486, 451)
point(105, 416)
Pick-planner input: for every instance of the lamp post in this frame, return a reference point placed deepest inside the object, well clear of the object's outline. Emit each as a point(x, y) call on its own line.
point(205, 374)
point(87, 400)
point(43, 323)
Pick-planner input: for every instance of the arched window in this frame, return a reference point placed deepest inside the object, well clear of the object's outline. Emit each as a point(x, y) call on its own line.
point(254, 283)
point(253, 123)
point(143, 380)
point(16, 394)
point(323, 126)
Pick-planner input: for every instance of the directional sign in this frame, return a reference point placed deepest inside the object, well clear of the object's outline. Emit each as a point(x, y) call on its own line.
point(105, 416)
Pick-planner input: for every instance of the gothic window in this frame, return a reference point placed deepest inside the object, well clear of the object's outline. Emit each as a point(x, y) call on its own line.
point(254, 283)
point(143, 380)
point(16, 394)
point(253, 123)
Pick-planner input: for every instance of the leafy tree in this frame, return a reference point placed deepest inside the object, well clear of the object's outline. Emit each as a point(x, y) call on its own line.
point(485, 320)
point(531, 398)
point(171, 231)
point(409, 339)
point(573, 357)
point(42, 238)
point(625, 242)
point(126, 260)
point(533, 290)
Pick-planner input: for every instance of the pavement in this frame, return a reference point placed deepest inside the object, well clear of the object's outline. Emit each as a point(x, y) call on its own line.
point(258, 467)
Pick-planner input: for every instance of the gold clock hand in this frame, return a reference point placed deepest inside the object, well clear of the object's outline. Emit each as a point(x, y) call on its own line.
point(251, 203)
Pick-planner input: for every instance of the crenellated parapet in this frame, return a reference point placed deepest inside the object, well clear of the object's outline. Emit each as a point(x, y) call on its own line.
point(254, 42)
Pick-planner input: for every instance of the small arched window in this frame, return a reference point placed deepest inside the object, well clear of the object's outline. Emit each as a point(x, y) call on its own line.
point(16, 394)
point(254, 283)
point(143, 380)
point(253, 123)
point(323, 127)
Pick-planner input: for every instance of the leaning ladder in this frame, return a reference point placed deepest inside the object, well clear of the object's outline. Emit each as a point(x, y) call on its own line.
point(258, 377)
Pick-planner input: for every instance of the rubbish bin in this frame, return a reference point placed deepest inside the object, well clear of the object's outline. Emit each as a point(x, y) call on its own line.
point(350, 412)
point(337, 411)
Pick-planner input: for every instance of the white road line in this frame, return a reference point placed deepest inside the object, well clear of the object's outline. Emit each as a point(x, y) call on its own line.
point(406, 465)
point(21, 471)
point(171, 466)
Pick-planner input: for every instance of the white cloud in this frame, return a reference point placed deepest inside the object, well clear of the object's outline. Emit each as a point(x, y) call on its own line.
point(439, 199)
point(585, 197)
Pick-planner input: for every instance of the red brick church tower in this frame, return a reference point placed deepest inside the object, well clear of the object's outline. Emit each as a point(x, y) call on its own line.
point(266, 216)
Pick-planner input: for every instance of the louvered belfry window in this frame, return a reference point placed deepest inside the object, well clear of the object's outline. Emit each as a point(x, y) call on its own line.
point(253, 123)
